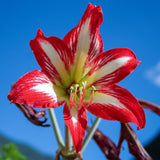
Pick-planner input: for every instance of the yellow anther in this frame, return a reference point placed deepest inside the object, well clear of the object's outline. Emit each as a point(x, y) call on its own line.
point(76, 85)
point(93, 88)
point(71, 88)
point(81, 90)
point(76, 89)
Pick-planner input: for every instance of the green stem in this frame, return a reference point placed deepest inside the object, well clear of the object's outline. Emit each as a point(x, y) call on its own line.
point(68, 140)
point(56, 128)
point(90, 133)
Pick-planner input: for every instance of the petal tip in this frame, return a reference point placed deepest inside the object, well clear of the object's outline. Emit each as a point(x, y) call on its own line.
point(11, 101)
point(142, 121)
point(10, 97)
point(39, 32)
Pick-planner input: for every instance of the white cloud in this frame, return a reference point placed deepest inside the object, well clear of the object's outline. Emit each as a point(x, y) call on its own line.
point(153, 74)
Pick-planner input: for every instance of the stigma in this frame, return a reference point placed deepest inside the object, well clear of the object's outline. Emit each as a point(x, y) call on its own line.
point(77, 94)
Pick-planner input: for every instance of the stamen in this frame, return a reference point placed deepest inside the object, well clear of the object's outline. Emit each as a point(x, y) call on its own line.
point(93, 89)
point(84, 88)
point(71, 98)
point(80, 97)
point(75, 95)
point(90, 100)
point(82, 94)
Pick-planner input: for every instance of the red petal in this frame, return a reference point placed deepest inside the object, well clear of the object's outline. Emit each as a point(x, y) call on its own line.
point(34, 89)
point(85, 37)
point(112, 66)
point(51, 54)
point(76, 120)
point(116, 103)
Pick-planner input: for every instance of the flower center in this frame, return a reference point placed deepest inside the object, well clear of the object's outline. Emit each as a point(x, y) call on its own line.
point(77, 94)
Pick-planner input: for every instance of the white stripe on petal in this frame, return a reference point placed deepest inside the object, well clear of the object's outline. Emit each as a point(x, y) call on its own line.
point(46, 88)
point(84, 38)
point(113, 65)
point(107, 99)
point(83, 45)
point(54, 57)
point(110, 67)
point(74, 115)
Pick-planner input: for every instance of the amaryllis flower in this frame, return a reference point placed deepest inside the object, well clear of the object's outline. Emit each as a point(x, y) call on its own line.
point(76, 71)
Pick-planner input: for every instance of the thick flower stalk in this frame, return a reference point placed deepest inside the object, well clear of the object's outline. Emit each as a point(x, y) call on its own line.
point(76, 71)
point(134, 145)
point(107, 146)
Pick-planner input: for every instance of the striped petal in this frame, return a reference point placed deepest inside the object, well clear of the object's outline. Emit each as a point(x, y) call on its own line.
point(116, 103)
point(76, 120)
point(34, 89)
point(112, 66)
point(84, 40)
point(53, 57)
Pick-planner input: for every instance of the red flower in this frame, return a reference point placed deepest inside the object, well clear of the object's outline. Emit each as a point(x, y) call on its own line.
point(76, 71)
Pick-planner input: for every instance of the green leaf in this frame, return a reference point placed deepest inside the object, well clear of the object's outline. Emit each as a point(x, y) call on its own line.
point(10, 152)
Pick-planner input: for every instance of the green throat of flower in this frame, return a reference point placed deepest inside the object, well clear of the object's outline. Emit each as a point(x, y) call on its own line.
point(78, 93)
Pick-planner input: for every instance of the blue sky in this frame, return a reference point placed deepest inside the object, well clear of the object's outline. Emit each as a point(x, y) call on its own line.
point(133, 24)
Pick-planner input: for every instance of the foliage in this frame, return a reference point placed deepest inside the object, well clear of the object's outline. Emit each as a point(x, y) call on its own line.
point(10, 152)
